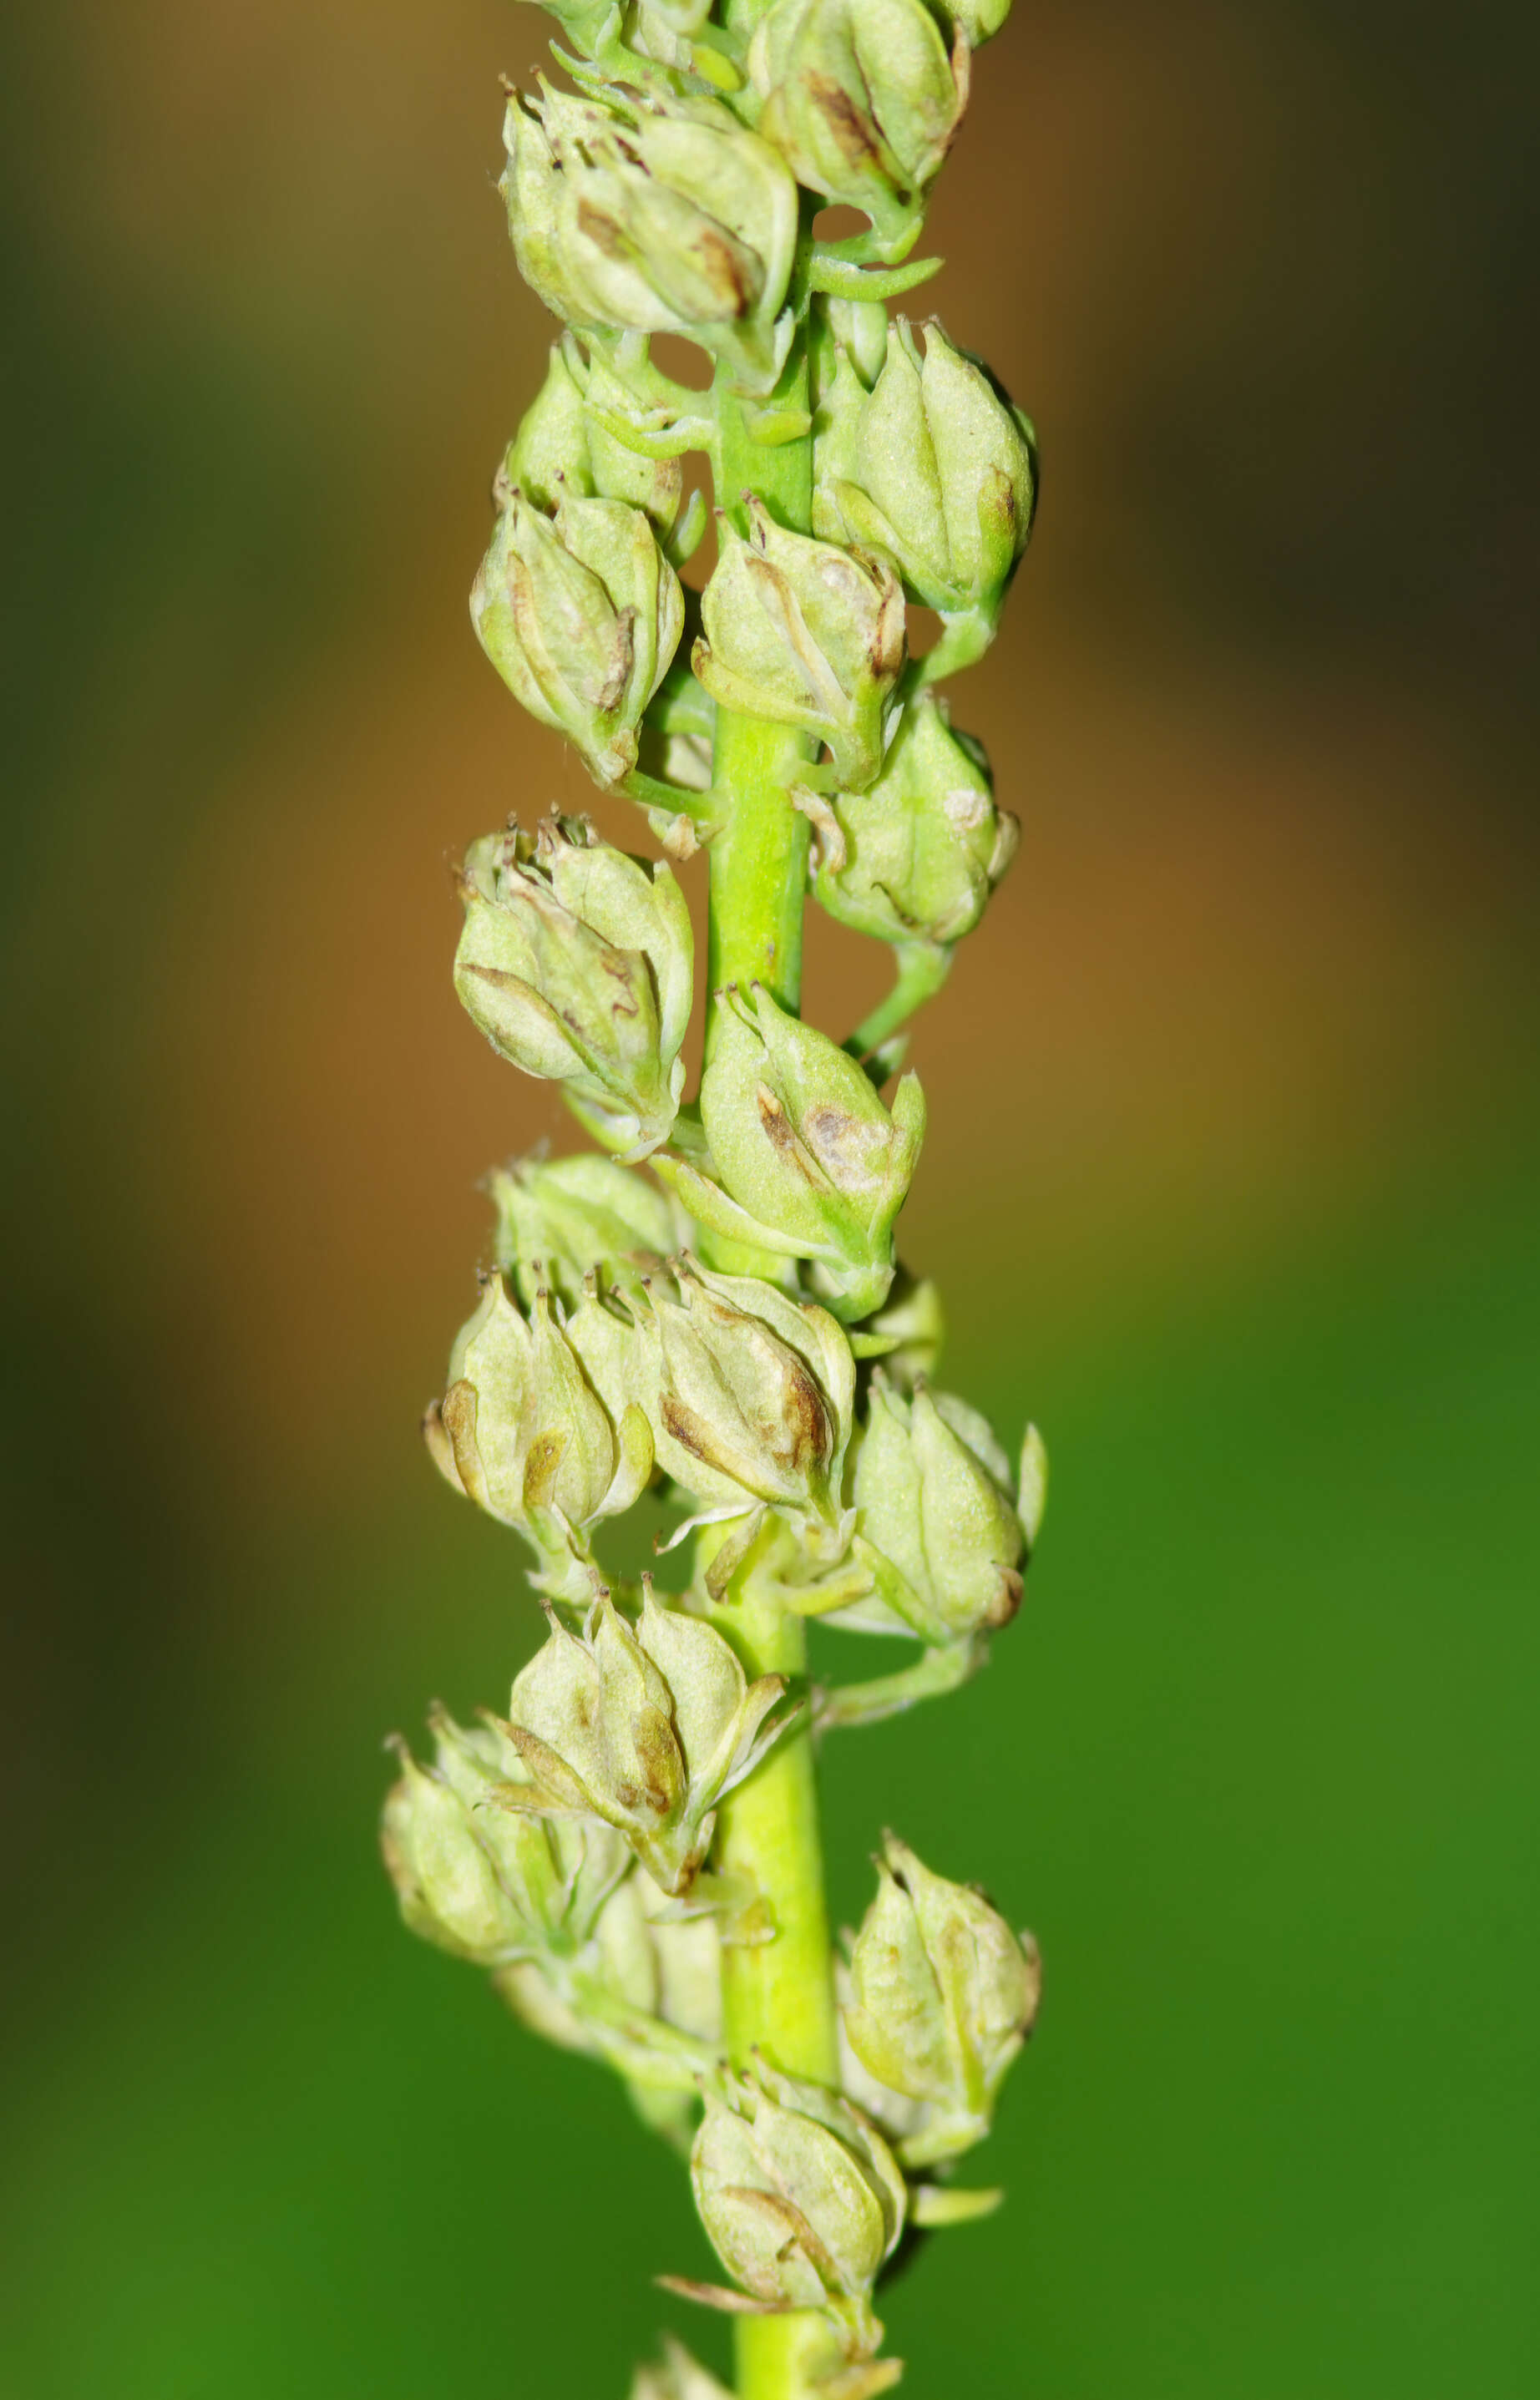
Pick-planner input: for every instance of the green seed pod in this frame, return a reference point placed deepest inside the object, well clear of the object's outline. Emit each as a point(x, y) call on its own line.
point(800, 2197)
point(751, 1393)
point(522, 1432)
point(581, 614)
point(806, 633)
point(577, 962)
point(656, 219)
point(481, 1883)
point(678, 2377)
point(940, 474)
point(559, 1220)
point(925, 846)
point(932, 1489)
point(942, 1995)
point(861, 100)
point(806, 1159)
point(645, 1729)
point(561, 453)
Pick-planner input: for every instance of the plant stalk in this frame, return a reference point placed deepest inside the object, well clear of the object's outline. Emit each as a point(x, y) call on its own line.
point(778, 1995)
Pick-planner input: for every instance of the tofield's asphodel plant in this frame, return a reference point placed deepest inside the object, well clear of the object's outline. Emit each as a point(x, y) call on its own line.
point(712, 1301)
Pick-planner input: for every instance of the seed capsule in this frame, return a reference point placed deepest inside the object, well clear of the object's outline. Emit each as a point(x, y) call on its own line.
point(581, 614)
point(479, 1882)
point(561, 1220)
point(561, 451)
point(925, 845)
point(750, 1393)
point(938, 471)
point(653, 218)
point(941, 1997)
point(804, 1157)
point(861, 100)
point(806, 633)
point(800, 2197)
point(936, 1513)
point(522, 1431)
point(577, 962)
point(645, 1729)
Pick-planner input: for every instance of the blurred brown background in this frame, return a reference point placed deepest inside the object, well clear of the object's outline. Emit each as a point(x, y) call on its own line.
point(1230, 1181)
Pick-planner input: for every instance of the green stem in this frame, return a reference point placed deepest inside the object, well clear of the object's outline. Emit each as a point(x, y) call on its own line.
point(778, 1995)
point(758, 861)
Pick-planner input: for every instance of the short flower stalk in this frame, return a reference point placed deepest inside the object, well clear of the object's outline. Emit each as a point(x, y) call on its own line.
point(713, 1303)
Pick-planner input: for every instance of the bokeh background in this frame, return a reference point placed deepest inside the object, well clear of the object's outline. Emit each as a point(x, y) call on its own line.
point(1230, 1183)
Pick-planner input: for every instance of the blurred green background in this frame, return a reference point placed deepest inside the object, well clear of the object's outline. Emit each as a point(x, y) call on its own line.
point(1230, 1183)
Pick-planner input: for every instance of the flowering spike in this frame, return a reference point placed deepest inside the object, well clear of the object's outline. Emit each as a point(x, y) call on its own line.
point(633, 1854)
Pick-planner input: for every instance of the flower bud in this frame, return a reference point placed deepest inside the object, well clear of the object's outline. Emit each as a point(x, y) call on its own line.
point(480, 1882)
point(940, 474)
point(807, 1160)
point(559, 1220)
point(800, 2197)
point(577, 962)
point(678, 2377)
point(925, 845)
point(805, 634)
point(522, 1432)
point(561, 453)
point(750, 1394)
point(581, 614)
point(861, 100)
point(932, 1489)
point(942, 1995)
point(655, 219)
point(645, 1729)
